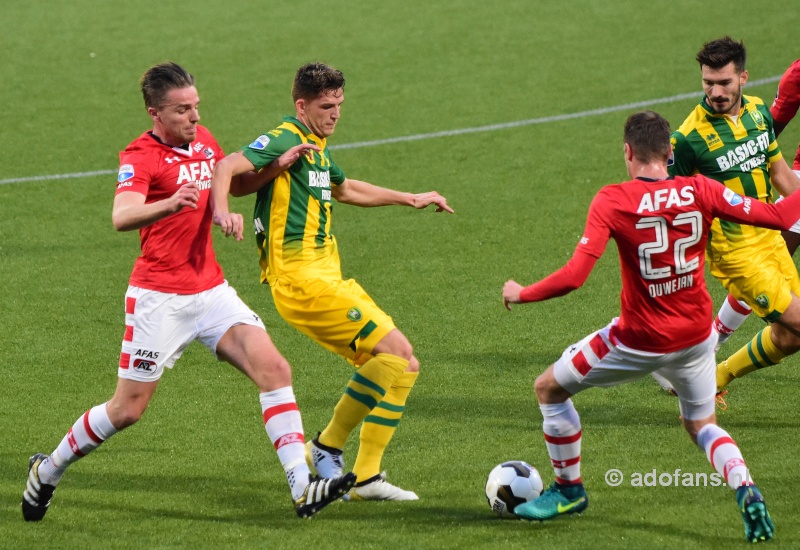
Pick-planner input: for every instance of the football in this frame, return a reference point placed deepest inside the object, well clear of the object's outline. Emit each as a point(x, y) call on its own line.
point(510, 484)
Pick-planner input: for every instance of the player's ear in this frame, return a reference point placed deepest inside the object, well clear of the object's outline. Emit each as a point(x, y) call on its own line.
point(743, 77)
point(628, 153)
point(153, 113)
point(300, 105)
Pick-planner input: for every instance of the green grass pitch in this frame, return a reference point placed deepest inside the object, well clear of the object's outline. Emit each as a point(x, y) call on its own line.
point(198, 470)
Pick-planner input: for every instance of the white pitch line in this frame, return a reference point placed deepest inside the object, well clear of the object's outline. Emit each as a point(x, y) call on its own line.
point(447, 133)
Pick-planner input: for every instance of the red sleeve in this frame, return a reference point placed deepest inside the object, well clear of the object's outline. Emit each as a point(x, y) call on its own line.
point(724, 203)
point(591, 246)
point(787, 100)
point(563, 281)
point(134, 173)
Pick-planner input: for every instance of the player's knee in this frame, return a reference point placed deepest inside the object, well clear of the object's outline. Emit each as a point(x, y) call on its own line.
point(542, 389)
point(125, 415)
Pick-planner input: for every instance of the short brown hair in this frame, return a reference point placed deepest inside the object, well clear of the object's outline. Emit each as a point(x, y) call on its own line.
point(158, 80)
point(718, 53)
point(647, 134)
point(314, 79)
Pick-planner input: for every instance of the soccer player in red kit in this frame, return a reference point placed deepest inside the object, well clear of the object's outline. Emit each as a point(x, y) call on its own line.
point(786, 103)
point(177, 294)
point(660, 226)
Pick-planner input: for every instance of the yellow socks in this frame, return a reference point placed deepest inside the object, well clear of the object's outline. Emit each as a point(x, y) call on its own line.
point(379, 427)
point(365, 389)
point(760, 352)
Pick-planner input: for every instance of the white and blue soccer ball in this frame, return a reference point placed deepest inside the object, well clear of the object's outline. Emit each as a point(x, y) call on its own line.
point(511, 484)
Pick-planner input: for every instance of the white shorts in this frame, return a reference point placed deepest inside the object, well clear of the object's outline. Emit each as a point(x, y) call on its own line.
point(596, 361)
point(159, 326)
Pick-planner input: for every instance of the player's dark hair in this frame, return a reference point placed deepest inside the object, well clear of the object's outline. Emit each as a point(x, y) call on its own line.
point(314, 79)
point(158, 80)
point(647, 133)
point(718, 53)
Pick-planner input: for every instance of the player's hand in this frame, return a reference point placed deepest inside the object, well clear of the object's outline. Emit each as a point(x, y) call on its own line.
point(230, 223)
point(511, 292)
point(286, 160)
point(422, 200)
point(186, 195)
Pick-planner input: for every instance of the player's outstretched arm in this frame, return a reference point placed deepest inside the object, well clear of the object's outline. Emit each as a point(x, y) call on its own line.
point(226, 172)
point(361, 193)
point(783, 178)
point(250, 182)
point(130, 211)
point(565, 280)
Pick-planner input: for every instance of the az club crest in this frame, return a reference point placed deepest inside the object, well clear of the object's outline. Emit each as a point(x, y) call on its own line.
point(762, 300)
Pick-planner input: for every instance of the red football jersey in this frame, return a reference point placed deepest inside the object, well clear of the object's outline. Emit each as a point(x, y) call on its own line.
point(177, 255)
point(787, 101)
point(661, 228)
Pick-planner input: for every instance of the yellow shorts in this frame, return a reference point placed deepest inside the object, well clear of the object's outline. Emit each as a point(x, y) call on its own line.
point(764, 278)
point(338, 315)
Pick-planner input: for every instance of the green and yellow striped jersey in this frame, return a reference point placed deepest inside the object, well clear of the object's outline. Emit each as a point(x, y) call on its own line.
point(293, 212)
point(735, 152)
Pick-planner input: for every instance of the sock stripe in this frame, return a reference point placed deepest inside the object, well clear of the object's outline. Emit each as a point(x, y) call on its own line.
point(358, 379)
point(391, 423)
point(73, 443)
point(278, 409)
point(562, 440)
point(391, 407)
point(760, 345)
point(565, 463)
point(562, 481)
point(288, 439)
point(89, 431)
point(718, 442)
point(753, 359)
point(737, 307)
point(364, 399)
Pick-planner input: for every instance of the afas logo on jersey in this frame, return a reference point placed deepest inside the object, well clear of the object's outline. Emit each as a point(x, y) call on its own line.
point(260, 143)
point(732, 198)
point(125, 172)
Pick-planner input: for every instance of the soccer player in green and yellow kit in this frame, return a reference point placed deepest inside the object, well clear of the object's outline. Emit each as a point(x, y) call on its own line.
point(730, 137)
point(300, 262)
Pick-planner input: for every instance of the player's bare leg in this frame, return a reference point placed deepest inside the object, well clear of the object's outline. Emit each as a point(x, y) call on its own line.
point(725, 456)
point(376, 394)
point(94, 427)
point(562, 434)
point(250, 350)
point(768, 347)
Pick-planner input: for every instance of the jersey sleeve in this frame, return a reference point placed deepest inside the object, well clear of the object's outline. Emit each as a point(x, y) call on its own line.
point(134, 173)
point(267, 147)
point(337, 176)
point(683, 159)
point(724, 203)
point(787, 100)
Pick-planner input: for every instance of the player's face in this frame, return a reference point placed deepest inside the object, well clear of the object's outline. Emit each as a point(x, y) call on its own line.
point(723, 88)
point(321, 113)
point(175, 121)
